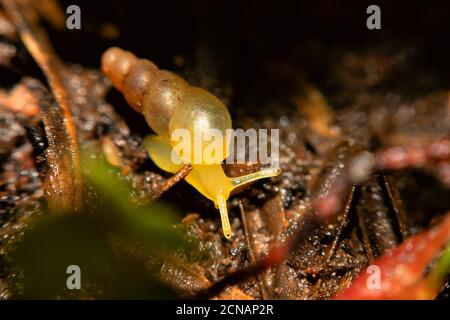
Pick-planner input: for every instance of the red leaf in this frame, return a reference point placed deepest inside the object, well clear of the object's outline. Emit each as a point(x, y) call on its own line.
point(401, 269)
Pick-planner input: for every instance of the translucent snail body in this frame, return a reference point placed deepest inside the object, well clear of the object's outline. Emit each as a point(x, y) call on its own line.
point(168, 104)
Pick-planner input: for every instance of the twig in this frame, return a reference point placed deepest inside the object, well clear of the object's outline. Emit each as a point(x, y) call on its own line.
point(249, 239)
point(66, 183)
point(173, 180)
point(337, 238)
point(277, 254)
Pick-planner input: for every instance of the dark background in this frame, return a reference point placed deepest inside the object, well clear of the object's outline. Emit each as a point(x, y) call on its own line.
point(229, 42)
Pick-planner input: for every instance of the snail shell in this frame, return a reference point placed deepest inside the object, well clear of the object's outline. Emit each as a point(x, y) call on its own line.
point(166, 100)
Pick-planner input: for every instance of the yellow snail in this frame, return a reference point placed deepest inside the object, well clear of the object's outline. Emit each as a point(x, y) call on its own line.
point(168, 103)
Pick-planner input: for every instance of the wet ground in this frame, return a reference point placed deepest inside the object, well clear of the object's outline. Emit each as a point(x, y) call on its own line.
point(330, 86)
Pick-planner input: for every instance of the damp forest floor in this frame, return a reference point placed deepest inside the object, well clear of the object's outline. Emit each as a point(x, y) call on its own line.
point(331, 88)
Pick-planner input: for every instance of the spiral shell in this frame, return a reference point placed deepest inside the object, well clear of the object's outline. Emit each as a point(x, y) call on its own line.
point(167, 101)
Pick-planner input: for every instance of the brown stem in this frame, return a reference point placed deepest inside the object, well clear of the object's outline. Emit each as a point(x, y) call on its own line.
point(249, 240)
point(173, 180)
point(65, 182)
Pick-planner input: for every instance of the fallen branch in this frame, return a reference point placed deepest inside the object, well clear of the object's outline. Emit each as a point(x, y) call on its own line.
point(65, 187)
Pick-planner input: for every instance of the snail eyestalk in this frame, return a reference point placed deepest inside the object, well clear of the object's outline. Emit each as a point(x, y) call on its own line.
point(226, 227)
point(266, 173)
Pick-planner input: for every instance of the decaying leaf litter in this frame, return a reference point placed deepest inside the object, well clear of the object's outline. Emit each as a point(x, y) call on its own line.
point(304, 235)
